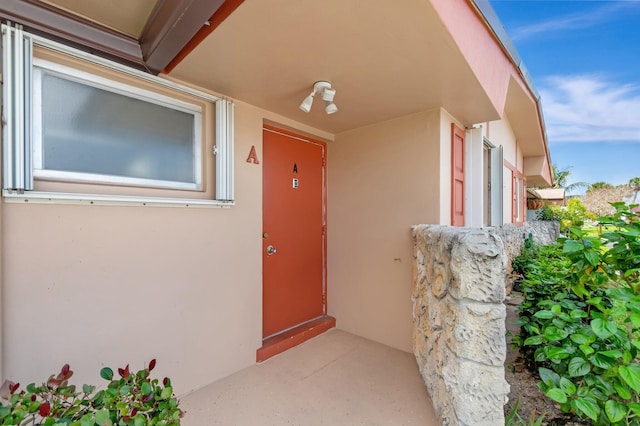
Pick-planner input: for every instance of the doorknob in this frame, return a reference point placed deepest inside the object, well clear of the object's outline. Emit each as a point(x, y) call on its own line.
point(271, 250)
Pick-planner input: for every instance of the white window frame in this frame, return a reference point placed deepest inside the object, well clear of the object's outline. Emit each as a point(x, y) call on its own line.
point(18, 133)
point(518, 195)
point(40, 67)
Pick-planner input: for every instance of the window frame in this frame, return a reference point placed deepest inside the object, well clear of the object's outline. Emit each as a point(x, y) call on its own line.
point(15, 41)
point(42, 67)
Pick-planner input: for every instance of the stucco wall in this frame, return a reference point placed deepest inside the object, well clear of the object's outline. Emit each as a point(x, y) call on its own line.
point(382, 179)
point(110, 285)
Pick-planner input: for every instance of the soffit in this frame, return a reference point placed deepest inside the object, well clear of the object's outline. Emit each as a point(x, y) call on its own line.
point(522, 111)
point(384, 59)
point(126, 16)
point(86, 25)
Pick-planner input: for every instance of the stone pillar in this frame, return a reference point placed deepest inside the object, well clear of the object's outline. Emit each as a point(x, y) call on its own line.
point(459, 322)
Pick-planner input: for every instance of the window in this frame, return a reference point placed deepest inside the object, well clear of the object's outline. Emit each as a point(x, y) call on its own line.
point(108, 132)
point(103, 124)
point(493, 166)
point(518, 196)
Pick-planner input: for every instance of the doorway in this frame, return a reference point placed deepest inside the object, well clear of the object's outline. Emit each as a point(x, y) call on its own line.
point(294, 232)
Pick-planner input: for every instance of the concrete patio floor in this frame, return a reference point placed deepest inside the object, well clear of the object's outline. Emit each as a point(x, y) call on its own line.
point(336, 378)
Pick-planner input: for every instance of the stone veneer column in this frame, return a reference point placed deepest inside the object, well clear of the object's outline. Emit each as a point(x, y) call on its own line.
point(459, 322)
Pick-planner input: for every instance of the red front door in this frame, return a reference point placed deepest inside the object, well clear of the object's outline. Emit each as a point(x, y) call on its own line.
point(293, 225)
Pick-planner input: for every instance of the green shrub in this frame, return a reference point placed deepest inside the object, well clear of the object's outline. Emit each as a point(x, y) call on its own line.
point(581, 320)
point(548, 212)
point(132, 399)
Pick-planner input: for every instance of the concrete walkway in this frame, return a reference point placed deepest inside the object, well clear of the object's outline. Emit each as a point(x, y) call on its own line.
point(334, 379)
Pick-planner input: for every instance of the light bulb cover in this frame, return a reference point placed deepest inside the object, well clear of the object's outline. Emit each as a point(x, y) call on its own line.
point(328, 94)
point(307, 102)
point(331, 108)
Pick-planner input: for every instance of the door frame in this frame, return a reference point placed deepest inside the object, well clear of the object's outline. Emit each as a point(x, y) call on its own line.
point(305, 139)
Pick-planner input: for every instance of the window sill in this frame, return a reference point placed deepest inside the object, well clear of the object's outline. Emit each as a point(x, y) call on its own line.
point(35, 197)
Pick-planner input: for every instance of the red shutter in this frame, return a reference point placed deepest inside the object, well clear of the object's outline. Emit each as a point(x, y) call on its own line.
point(457, 175)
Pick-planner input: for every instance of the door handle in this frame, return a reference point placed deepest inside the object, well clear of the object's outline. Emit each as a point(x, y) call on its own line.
point(271, 250)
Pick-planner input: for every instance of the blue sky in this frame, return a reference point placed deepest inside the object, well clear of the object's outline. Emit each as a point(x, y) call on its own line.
point(584, 58)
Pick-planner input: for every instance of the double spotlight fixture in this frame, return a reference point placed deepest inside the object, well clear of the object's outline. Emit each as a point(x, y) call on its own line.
point(324, 89)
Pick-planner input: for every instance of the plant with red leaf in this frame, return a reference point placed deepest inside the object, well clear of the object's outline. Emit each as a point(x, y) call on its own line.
point(134, 399)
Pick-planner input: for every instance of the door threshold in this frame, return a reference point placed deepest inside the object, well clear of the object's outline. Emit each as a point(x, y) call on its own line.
point(297, 335)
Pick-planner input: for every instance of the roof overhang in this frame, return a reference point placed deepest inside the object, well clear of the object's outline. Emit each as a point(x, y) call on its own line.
point(146, 34)
point(385, 60)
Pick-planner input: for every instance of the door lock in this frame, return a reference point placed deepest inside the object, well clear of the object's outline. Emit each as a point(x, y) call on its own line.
point(271, 250)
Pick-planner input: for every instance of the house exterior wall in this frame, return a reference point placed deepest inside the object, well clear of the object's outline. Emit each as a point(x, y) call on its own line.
point(98, 286)
point(382, 179)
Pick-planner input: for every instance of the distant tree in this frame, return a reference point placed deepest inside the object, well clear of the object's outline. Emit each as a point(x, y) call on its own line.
point(561, 180)
point(634, 184)
point(599, 185)
point(597, 200)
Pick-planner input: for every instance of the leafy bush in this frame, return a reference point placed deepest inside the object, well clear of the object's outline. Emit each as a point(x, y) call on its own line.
point(132, 399)
point(548, 212)
point(581, 320)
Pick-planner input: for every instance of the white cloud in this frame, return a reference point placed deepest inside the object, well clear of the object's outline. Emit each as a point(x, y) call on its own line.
point(588, 108)
point(568, 23)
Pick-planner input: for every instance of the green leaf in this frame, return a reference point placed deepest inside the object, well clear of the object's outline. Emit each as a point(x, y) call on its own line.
point(553, 333)
point(125, 390)
point(588, 407)
point(533, 340)
point(615, 411)
point(602, 361)
point(544, 314)
point(635, 320)
point(578, 313)
point(139, 420)
point(88, 389)
point(635, 407)
point(578, 367)
point(103, 418)
point(630, 374)
point(627, 356)
point(554, 352)
point(146, 388)
point(621, 390)
point(603, 329)
point(557, 395)
point(586, 349)
point(166, 393)
point(549, 377)
point(567, 386)
point(571, 246)
point(87, 420)
point(614, 353)
point(592, 256)
point(106, 373)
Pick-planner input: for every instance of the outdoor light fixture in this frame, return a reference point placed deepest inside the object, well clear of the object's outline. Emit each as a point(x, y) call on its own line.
point(326, 92)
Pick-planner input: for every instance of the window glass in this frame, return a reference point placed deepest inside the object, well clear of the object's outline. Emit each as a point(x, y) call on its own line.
point(92, 130)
